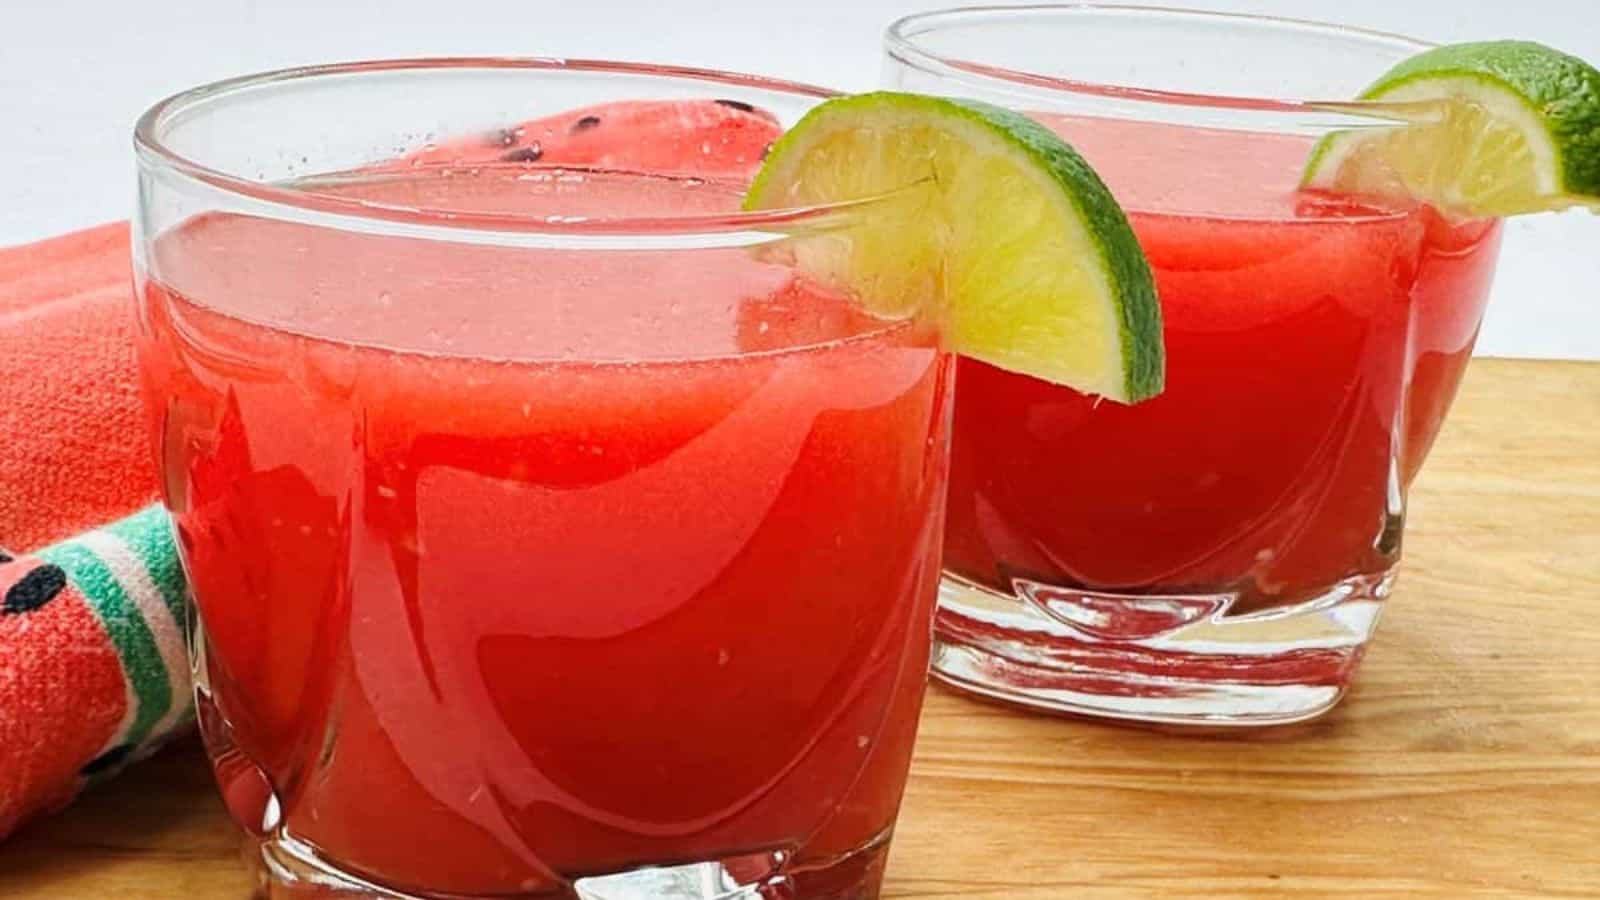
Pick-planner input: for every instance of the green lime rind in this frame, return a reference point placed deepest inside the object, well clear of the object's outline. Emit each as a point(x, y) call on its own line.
point(1057, 168)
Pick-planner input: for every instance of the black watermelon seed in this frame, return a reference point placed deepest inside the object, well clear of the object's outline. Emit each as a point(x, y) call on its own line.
point(507, 137)
point(585, 123)
point(740, 105)
point(107, 759)
point(5, 557)
point(530, 153)
point(34, 589)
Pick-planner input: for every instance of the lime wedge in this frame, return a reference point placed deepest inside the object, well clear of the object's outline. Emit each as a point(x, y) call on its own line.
point(1026, 260)
point(1495, 128)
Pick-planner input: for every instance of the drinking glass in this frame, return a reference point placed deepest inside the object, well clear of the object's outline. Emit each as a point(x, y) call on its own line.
point(549, 535)
point(1220, 554)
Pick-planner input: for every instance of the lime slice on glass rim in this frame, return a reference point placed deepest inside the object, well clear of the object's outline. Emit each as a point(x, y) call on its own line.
point(1494, 128)
point(997, 228)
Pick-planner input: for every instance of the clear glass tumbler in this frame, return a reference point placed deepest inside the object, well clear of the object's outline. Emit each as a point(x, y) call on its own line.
point(548, 535)
point(1220, 554)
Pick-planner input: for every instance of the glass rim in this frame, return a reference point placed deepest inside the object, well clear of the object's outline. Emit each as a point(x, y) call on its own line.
point(900, 42)
point(151, 151)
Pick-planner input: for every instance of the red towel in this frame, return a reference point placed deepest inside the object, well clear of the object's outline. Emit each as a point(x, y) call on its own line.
point(76, 450)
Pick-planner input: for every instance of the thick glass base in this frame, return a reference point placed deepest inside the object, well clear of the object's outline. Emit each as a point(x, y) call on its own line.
point(1166, 659)
point(288, 869)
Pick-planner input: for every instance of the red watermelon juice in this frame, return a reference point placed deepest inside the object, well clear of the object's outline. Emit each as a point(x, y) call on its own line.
point(515, 567)
point(1313, 344)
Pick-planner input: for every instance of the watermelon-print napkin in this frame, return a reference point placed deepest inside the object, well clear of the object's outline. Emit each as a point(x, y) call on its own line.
point(93, 672)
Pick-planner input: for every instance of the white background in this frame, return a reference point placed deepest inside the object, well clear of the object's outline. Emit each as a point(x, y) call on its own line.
point(74, 74)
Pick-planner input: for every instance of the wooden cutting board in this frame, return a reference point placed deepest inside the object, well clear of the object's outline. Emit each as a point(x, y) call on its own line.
point(1465, 763)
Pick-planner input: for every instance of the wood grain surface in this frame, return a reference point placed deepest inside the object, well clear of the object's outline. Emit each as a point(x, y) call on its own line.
point(1466, 763)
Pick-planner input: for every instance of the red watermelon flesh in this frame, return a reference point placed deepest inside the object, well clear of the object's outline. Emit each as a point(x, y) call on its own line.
point(725, 138)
